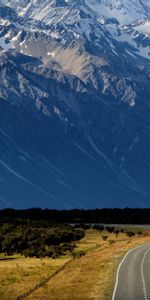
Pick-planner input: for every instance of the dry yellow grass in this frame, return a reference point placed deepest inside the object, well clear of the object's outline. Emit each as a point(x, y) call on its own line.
point(90, 277)
point(19, 275)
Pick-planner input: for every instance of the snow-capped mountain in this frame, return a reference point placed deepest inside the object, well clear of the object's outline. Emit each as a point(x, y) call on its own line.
point(124, 10)
point(74, 103)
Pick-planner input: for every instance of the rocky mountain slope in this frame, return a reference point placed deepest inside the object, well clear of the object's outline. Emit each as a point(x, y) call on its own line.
point(74, 103)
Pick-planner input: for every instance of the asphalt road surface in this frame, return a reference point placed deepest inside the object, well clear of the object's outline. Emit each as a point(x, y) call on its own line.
point(133, 275)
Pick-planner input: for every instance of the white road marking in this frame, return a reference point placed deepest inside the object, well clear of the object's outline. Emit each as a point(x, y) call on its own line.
point(142, 275)
point(117, 276)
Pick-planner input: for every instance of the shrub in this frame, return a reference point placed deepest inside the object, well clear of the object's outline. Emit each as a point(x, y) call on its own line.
point(111, 242)
point(110, 229)
point(98, 227)
point(66, 247)
point(104, 237)
point(78, 253)
point(38, 240)
point(116, 231)
point(130, 234)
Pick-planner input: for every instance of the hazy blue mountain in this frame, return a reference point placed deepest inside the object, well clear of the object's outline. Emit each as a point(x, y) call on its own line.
point(74, 103)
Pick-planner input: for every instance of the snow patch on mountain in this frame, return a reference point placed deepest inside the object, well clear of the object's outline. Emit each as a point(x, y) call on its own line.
point(125, 11)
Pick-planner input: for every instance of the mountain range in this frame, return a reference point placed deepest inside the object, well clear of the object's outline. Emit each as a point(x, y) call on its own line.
point(74, 103)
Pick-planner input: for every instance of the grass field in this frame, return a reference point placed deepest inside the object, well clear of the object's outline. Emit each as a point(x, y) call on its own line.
point(20, 274)
point(86, 278)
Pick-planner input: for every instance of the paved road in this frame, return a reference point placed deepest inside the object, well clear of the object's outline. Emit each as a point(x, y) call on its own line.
point(133, 275)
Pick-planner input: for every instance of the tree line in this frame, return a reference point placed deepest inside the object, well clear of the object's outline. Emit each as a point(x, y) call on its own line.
point(105, 215)
point(37, 239)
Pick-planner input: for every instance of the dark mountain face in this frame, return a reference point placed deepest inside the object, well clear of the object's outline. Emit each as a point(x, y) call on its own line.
point(74, 104)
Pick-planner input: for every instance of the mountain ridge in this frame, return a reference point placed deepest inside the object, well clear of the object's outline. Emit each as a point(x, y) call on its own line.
point(74, 105)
